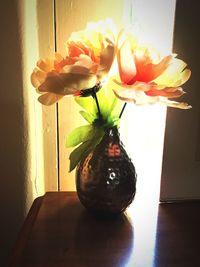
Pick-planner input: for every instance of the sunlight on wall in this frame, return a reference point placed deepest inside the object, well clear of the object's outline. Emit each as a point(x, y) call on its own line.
point(33, 111)
point(142, 128)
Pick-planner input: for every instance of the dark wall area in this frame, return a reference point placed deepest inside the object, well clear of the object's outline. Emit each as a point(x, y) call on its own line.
point(12, 151)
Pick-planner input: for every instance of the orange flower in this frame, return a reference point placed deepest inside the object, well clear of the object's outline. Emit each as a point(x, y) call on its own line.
point(145, 78)
point(90, 54)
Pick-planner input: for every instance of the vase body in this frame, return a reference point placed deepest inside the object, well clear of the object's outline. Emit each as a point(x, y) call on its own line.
point(106, 177)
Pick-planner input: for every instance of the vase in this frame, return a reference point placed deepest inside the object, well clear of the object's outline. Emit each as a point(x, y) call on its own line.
point(106, 176)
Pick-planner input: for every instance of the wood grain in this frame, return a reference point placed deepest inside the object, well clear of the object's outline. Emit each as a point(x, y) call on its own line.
point(65, 234)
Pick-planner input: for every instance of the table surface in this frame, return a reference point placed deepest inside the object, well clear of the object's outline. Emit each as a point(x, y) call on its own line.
point(58, 231)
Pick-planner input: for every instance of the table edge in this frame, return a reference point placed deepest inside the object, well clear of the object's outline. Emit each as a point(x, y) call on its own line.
point(24, 232)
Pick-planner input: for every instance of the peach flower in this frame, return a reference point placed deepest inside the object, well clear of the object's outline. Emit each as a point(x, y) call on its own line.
point(144, 77)
point(90, 54)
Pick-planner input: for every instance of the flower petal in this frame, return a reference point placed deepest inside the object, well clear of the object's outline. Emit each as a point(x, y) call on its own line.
point(123, 97)
point(67, 83)
point(49, 99)
point(52, 84)
point(126, 64)
point(38, 77)
point(46, 64)
point(169, 92)
point(174, 75)
point(184, 76)
point(75, 69)
point(106, 60)
point(137, 97)
point(74, 50)
point(149, 72)
point(137, 86)
point(175, 104)
point(85, 61)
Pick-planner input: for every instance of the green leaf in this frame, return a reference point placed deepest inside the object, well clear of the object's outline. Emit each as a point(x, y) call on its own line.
point(79, 135)
point(116, 108)
point(103, 101)
point(87, 116)
point(87, 103)
point(114, 121)
point(78, 153)
point(110, 106)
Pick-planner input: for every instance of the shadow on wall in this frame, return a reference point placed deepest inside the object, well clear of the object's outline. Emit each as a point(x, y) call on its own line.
point(12, 133)
point(181, 158)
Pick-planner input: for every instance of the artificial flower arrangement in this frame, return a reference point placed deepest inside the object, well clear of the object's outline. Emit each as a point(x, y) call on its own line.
point(85, 73)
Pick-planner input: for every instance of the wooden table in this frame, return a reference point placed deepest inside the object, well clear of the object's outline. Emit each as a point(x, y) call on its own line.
point(59, 232)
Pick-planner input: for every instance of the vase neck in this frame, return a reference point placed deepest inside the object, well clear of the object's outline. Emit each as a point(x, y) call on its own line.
point(112, 133)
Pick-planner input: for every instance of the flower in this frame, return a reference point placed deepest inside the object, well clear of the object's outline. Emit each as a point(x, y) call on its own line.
point(145, 78)
point(97, 44)
point(90, 54)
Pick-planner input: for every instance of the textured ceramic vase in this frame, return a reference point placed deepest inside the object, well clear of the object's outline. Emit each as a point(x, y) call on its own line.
point(106, 177)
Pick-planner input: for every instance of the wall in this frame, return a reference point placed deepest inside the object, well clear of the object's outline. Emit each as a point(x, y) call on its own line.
point(17, 155)
point(181, 160)
point(12, 134)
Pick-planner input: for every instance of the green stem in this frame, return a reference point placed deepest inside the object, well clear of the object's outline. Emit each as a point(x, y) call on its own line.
point(122, 110)
point(97, 103)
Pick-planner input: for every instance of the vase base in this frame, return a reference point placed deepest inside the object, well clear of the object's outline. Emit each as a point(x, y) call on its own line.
point(104, 215)
point(105, 207)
